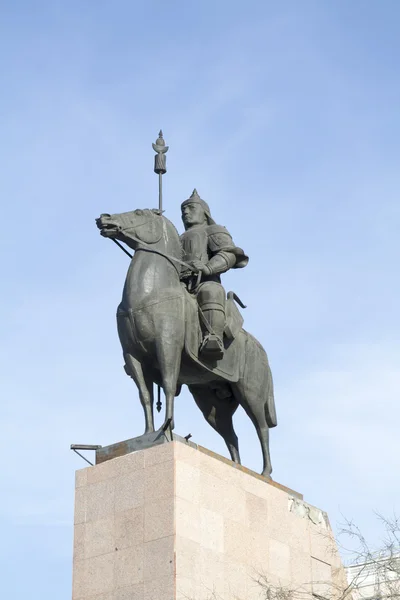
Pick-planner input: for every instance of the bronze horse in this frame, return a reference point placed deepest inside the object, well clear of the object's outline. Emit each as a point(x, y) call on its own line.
point(154, 321)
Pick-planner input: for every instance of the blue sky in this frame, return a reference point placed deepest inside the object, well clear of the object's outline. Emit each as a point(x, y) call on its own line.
point(285, 116)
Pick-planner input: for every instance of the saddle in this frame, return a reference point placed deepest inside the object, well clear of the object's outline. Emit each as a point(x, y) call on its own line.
point(228, 368)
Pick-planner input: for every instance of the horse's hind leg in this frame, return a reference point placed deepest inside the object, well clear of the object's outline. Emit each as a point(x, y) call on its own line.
point(145, 386)
point(218, 413)
point(250, 395)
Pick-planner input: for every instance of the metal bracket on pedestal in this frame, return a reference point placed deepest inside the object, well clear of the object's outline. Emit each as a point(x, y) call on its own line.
point(76, 447)
point(148, 440)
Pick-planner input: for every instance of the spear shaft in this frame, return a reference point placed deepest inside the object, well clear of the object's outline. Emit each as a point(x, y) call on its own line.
point(160, 192)
point(159, 403)
point(160, 167)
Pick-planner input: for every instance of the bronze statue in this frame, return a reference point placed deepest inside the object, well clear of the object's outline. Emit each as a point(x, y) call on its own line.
point(176, 326)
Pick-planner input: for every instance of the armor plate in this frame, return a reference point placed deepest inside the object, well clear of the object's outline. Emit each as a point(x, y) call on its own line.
point(195, 244)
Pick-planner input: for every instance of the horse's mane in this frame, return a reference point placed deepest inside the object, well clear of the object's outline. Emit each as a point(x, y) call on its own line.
point(174, 229)
point(172, 225)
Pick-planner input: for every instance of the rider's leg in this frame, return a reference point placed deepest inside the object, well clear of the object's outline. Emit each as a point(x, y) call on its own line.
point(211, 299)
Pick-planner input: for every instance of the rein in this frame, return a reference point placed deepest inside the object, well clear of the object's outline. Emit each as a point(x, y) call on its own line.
point(167, 256)
point(146, 248)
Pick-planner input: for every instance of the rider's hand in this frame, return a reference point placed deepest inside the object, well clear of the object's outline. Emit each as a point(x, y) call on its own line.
point(200, 266)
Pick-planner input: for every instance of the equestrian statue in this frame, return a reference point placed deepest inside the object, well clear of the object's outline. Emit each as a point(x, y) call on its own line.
point(176, 324)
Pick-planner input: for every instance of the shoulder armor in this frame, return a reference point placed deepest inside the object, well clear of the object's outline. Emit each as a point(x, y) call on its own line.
point(216, 229)
point(219, 238)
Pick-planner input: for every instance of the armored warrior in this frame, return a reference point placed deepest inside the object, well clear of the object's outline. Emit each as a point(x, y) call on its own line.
point(209, 248)
point(159, 329)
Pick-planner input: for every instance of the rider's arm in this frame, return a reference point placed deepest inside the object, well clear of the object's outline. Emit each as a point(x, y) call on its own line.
point(224, 253)
point(220, 262)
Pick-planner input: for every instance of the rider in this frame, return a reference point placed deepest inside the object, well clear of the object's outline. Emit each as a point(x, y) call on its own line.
point(209, 248)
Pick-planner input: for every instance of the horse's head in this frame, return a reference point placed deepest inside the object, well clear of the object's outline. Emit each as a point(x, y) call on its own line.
point(145, 225)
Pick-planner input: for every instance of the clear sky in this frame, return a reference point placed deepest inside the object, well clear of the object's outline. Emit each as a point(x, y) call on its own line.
point(285, 116)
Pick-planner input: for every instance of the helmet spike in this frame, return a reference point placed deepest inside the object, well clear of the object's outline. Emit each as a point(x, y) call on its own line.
point(195, 194)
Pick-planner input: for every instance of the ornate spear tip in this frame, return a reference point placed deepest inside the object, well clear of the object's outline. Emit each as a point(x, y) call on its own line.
point(160, 140)
point(160, 163)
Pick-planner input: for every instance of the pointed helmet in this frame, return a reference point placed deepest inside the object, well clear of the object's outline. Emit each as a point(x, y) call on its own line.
point(195, 199)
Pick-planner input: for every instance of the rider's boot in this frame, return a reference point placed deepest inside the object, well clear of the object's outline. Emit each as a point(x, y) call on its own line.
point(212, 346)
point(211, 299)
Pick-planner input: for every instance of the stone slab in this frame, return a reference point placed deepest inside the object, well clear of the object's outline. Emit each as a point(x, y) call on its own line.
point(175, 520)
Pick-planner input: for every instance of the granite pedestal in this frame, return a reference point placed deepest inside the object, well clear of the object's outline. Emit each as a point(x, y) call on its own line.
point(177, 521)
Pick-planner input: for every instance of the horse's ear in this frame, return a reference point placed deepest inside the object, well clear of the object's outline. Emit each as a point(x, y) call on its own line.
point(151, 231)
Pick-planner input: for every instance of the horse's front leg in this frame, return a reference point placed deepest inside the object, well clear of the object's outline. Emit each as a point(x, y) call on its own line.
point(145, 385)
point(169, 353)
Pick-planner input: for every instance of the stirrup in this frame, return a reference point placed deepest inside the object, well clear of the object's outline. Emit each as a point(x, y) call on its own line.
point(212, 347)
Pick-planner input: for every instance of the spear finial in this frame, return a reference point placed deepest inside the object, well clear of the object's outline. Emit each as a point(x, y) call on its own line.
point(160, 160)
point(160, 164)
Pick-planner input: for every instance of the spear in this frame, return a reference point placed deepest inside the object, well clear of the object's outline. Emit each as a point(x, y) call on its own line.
point(160, 168)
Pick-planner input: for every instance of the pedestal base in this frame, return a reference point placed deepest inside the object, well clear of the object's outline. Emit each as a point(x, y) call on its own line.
point(177, 521)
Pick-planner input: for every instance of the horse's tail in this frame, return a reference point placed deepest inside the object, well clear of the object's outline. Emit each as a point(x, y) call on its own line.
point(267, 385)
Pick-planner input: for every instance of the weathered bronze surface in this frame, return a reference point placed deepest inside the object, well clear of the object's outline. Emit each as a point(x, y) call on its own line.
point(148, 440)
point(177, 326)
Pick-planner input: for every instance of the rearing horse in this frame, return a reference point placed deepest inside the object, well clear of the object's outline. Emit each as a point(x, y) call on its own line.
point(153, 320)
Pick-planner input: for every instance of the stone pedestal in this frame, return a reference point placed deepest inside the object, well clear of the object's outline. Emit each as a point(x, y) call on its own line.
point(177, 521)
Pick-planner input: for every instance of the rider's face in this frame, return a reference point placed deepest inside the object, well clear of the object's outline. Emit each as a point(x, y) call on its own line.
point(193, 214)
